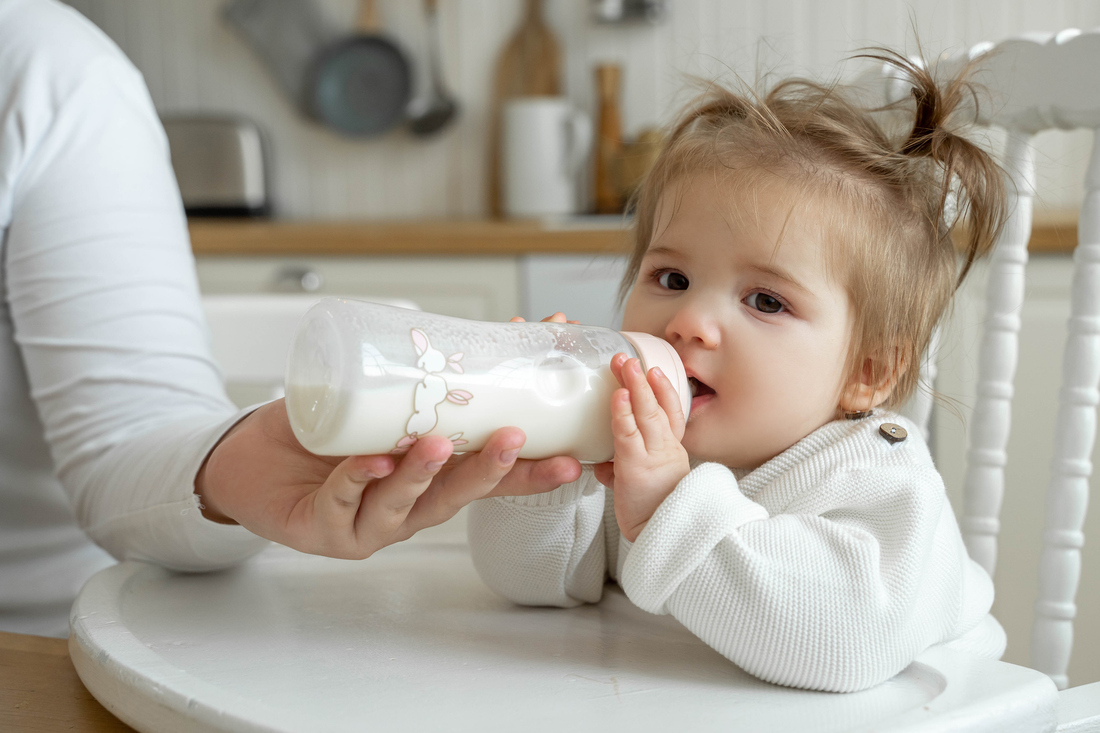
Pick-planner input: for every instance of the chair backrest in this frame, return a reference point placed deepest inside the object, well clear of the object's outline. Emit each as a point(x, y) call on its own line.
point(250, 335)
point(1026, 85)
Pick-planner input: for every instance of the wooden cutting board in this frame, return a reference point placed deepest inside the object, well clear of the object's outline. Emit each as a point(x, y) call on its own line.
point(529, 66)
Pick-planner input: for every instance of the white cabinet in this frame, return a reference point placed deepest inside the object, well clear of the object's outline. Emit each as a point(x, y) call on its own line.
point(1046, 309)
point(481, 288)
point(585, 287)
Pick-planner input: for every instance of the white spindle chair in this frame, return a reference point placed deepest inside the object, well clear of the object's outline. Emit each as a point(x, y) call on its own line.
point(1026, 85)
point(1034, 83)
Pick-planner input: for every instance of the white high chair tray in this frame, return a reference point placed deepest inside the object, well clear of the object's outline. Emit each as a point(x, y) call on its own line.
point(410, 639)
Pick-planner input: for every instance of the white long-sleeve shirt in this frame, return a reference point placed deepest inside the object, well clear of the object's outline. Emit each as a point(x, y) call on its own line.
point(109, 398)
point(830, 567)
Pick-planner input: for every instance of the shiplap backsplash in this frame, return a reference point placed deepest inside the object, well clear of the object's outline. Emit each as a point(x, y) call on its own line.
point(193, 63)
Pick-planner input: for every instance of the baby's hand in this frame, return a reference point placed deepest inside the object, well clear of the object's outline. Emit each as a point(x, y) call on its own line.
point(648, 423)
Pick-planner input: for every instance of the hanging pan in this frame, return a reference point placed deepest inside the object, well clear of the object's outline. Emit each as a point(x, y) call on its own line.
point(361, 84)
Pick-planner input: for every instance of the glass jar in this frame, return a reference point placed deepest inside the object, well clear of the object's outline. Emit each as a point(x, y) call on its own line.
point(364, 379)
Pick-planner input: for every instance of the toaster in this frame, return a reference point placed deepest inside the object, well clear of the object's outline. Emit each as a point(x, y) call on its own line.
point(221, 165)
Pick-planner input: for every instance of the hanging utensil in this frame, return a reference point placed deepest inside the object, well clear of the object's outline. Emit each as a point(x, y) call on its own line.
point(285, 34)
point(361, 85)
point(434, 111)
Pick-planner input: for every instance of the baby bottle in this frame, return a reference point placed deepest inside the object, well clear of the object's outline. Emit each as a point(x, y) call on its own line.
point(365, 379)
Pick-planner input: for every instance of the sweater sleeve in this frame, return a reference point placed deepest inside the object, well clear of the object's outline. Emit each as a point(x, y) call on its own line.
point(839, 601)
point(546, 549)
point(102, 292)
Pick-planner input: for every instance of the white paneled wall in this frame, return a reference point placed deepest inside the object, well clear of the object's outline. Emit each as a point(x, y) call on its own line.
point(193, 62)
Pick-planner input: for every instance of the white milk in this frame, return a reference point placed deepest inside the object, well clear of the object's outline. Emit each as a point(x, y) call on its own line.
point(561, 405)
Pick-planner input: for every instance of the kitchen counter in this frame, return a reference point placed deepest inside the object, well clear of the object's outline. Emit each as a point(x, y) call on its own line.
point(1054, 232)
point(586, 235)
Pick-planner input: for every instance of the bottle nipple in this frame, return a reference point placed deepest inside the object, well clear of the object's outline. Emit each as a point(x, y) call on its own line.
point(656, 352)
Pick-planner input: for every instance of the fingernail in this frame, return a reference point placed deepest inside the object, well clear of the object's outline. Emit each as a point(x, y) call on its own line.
point(656, 371)
point(508, 456)
point(434, 466)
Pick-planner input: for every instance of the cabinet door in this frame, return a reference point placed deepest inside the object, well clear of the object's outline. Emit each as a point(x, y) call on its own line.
point(1030, 448)
point(481, 288)
point(584, 287)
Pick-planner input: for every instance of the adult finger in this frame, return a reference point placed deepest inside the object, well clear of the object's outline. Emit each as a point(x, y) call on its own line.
point(336, 503)
point(474, 476)
point(669, 400)
point(388, 501)
point(537, 477)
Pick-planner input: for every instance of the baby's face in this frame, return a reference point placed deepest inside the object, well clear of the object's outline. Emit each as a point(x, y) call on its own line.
point(734, 280)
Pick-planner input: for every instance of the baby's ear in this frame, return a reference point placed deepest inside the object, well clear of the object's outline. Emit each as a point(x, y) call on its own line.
point(872, 384)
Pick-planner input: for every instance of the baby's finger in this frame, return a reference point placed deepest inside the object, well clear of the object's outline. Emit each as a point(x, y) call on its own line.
point(617, 362)
point(387, 503)
point(516, 319)
point(653, 423)
point(629, 445)
point(669, 400)
point(558, 317)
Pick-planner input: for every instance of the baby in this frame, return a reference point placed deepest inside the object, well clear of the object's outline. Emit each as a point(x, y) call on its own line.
point(798, 259)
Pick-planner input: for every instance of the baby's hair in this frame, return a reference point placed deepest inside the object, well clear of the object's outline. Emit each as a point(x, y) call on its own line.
point(891, 202)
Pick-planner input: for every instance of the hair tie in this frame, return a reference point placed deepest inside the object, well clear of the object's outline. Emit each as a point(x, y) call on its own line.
point(920, 139)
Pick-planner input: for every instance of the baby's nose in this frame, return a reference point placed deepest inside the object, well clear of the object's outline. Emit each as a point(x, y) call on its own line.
point(694, 324)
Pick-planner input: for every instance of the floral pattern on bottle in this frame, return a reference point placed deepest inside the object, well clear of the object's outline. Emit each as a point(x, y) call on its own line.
point(431, 392)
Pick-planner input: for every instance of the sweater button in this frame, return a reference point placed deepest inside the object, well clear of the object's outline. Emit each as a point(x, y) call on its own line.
point(893, 433)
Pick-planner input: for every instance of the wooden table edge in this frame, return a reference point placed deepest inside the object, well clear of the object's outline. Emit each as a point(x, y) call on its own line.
point(41, 691)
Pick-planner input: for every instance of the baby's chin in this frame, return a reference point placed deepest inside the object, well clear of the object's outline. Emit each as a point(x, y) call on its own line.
point(704, 451)
point(700, 451)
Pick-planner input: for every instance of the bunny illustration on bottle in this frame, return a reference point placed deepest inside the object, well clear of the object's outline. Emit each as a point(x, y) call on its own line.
point(431, 392)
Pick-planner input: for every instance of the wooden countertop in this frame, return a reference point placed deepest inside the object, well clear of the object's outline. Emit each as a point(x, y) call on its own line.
point(595, 235)
point(40, 690)
point(1054, 232)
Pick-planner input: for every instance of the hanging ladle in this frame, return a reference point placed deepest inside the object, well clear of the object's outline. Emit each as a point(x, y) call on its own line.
point(431, 113)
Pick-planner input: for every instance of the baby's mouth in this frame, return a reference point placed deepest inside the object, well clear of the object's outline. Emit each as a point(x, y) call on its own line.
point(699, 389)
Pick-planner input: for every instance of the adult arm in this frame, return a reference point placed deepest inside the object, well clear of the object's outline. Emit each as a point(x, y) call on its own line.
point(101, 289)
point(102, 292)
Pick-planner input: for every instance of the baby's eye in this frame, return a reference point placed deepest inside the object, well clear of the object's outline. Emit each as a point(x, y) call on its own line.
point(764, 303)
point(673, 280)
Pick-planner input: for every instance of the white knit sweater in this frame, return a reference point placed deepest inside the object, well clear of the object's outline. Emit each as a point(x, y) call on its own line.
point(830, 567)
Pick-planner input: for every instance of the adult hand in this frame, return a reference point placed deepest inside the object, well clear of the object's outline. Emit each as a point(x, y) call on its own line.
point(259, 476)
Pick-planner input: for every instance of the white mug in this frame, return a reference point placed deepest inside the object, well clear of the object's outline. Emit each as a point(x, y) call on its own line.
point(545, 144)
